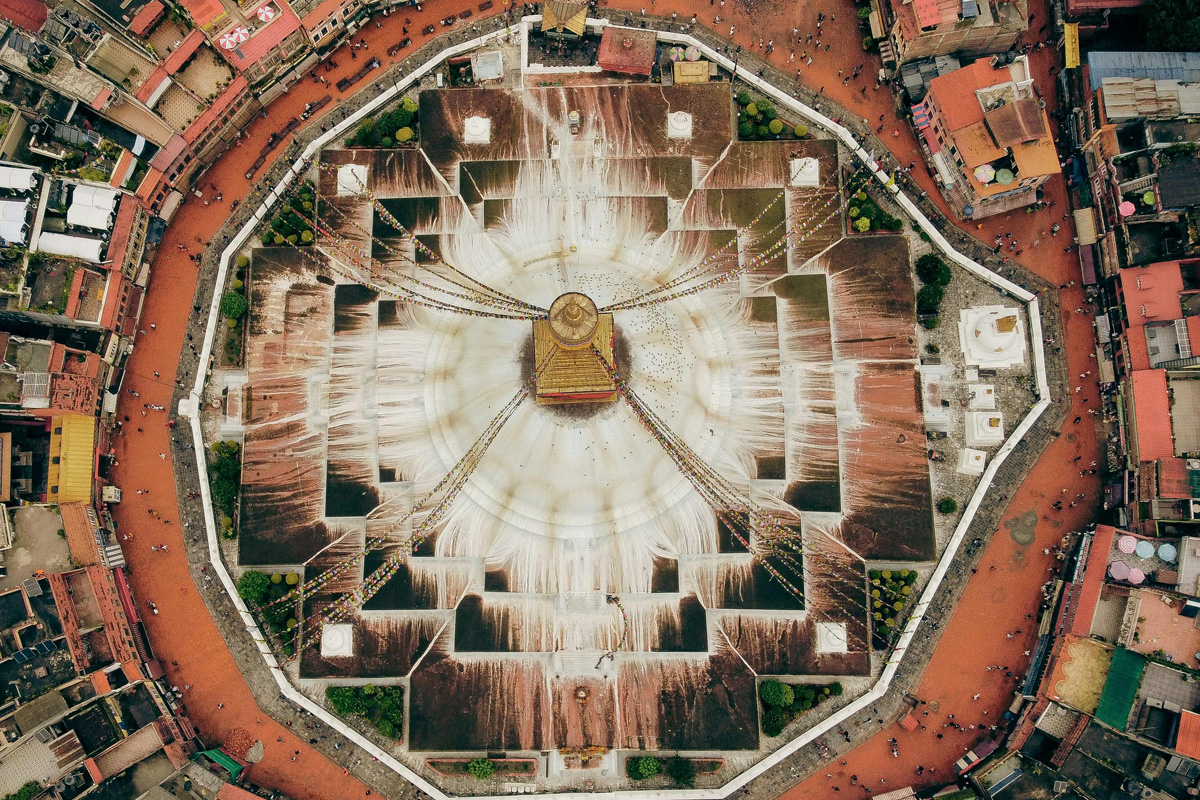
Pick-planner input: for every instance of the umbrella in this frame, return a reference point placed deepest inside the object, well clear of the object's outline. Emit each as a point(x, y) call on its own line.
point(1127, 544)
point(227, 41)
point(1167, 553)
point(266, 13)
point(1119, 570)
point(1126, 208)
point(240, 34)
point(1148, 198)
point(692, 53)
point(1145, 550)
point(984, 173)
point(1005, 177)
point(676, 54)
point(1136, 575)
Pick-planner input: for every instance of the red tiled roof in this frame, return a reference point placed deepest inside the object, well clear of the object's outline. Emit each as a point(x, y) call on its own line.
point(1139, 348)
point(165, 157)
point(927, 13)
point(118, 173)
point(81, 536)
point(1173, 480)
point(265, 39)
point(321, 12)
point(101, 98)
point(631, 52)
point(204, 11)
point(1093, 580)
point(218, 107)
point(1152, 415)
point(144, 21)
point(1188, 740)
point(149, 185)
point(1077, 8)
point(231, 792)
point(151, 84)
point(954, 93)
point(1152, 292)
point(122, 228)
point(180, 55)
point(27, 14)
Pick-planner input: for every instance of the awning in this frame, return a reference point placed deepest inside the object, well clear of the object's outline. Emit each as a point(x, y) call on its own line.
point(21, 180)
point(71, 246)
point(939, 164)
point(97, 219)
point(921, 116)
point(1087, 263)
point(1085, 226)
point(95, 196)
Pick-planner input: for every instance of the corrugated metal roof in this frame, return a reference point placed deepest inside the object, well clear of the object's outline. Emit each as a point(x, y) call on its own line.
point(1143, 64)
point(1179, 183)
point(1152, 415)
point(72, 444)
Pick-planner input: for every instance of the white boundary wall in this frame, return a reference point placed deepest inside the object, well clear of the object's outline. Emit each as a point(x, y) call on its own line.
point(189, 407)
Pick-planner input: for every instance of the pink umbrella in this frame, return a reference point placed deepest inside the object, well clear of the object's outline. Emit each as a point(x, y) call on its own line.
point(227, 41)
point(1126, 208)
point(1119, 570)
point(1127, 544)
point(266, 13)
point(1136, 575)
point(240, 34)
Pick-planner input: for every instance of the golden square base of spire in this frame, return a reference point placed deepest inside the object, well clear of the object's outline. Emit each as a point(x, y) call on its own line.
point(573, 334)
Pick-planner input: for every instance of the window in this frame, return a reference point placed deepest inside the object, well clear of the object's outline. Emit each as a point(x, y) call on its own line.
point(58, 431)
point(53, 490)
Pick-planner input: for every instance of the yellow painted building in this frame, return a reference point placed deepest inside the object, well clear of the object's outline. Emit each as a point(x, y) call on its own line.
point(72, 458)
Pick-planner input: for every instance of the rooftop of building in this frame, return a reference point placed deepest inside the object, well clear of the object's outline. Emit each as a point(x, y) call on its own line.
point(956, 93)
point(1152, 292)
point(1152, 410)
point(1155, 65)
point(28, 14)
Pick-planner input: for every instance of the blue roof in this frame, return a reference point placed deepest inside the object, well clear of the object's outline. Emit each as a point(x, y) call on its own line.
point(1156, 66)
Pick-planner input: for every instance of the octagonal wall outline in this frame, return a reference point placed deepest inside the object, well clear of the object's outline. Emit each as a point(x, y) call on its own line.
point(189, 407)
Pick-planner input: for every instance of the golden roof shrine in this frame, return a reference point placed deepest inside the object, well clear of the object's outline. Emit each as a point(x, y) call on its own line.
point(566, 343)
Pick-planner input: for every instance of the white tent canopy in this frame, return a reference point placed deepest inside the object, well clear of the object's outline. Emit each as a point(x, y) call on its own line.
point(17, 179)
point(95, 196)
point(89, 217)
point(12, 220)
point(71, 246)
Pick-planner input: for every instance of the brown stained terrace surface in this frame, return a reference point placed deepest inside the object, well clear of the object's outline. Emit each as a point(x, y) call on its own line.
point(205, 73)
point(1162, 630)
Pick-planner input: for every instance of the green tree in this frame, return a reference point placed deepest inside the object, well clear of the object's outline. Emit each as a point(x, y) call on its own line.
point(947, 505)
point(744, 98)
point(775, 693)
point(931, 269)
point(862, 224)
point(306, 237)
point(1172, 25)
point(775, 126)
point(745, 130)
point(773, 721)
point(253, 587)
point(643, 767)
point(345, 700)
point(801, 131)
point(234, 305)
point(409, 105)
point(242, 262)
point(752, 109)
point(682, 771)
point(481, 768)
point(404, 134)
point(929, 299)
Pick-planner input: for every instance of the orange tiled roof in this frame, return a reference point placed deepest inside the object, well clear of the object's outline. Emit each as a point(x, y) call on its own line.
point(1152, 415)
point(1173, 480)
point(1188, 740)
point(265, 39)
point(1093, 580)
point(975, 145)
point(145, 19)
point(954, 93)
point(1152, 292)
point(81, 535)
point(204, 11)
